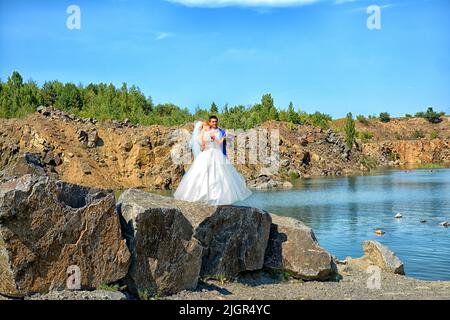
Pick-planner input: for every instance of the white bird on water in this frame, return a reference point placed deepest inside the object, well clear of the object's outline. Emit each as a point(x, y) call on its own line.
point(398, 215)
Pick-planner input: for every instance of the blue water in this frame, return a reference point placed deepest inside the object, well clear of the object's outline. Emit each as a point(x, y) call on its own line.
point(343, 212)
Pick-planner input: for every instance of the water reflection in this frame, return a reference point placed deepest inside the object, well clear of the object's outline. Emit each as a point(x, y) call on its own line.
point(345, 211)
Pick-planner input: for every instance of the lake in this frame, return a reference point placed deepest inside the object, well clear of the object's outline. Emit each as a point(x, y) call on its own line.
point(344, 211)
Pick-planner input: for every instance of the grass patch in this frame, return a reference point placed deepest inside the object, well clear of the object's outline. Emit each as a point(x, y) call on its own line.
point(278, 274)
point(431, 166)
point(143, 295)
point(418, 134)
point(434, 135)
point(362, 119)
point(293, 175)
point(398, 136)
point(365, 136)
point(368, 162)
point(110, 287)
point(220, 277)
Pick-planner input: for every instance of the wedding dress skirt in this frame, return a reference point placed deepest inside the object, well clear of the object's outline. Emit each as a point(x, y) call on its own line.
point(212, 179)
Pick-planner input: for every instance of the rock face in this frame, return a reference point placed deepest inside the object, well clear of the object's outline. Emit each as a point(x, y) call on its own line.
point(234, 240)
point(47, 226)
point(293, 248)
point(174, 242)
point(26, 163)
point(165, 256)
point(381, 256)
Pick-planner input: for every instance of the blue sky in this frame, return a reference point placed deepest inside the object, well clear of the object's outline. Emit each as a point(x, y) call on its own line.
point(317, 53)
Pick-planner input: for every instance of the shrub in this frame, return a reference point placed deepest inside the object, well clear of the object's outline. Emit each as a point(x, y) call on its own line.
point(420, 114)
point(393, 156)
point(291, 126)
point(398, 136)
point(316, 119)
point(143, 295)
point(368, 161)
point(418, 134)
point(293, 175)
point(408, 115)
point(431, 166)
point(434, 135)
point(106, 287)
point(350, 131)
point(385, 117)
point(365, 136)
point(362, 119)
point(430, 115)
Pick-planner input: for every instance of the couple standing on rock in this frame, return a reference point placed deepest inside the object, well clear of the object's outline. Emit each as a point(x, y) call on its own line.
point(211, 178)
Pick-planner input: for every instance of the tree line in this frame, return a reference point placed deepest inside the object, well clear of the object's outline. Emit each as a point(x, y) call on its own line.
point(106, 101)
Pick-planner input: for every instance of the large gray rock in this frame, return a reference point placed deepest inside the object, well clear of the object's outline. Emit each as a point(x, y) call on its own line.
point(25, 163)
point(47, 226)
point(383, 257)
point(198, 240)
point(165, 256)
point(293, 248)
point(234, 240)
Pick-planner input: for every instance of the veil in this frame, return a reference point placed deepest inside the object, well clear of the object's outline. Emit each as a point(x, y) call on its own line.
point(194, 143)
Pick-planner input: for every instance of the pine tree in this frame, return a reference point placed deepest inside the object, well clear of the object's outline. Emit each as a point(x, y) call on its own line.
point(292, 116)
point(214, 109)
point(350, 131)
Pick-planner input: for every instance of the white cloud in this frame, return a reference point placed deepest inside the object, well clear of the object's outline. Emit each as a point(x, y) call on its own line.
point(163, 35)
point(243, 3)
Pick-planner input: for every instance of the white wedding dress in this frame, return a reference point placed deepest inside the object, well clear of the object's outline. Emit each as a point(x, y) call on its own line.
point(212, 178)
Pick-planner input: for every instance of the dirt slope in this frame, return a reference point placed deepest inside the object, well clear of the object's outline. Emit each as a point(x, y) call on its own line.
point(121, 155)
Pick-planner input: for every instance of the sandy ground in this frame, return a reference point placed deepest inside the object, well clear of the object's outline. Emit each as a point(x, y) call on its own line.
point(352, 286)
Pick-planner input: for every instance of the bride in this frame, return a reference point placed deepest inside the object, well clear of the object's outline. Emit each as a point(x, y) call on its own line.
point(211, 178)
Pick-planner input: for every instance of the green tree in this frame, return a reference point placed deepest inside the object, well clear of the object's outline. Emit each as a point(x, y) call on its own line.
point(14, 85)
point(431, 116)
point(70, 98)
point(213, 109)
point(317, 119)
point(350, 131)
point(292, 116)
point(50, 92)
point(269, 111)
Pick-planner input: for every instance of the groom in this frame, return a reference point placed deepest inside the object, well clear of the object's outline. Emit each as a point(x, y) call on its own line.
point(214, 124)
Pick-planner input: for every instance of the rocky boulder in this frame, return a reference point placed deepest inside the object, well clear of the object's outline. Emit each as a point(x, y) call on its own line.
point(165, 256)
point(26, 163)
point(234, 240)
point(49, 228)
point(174, 242)
point(293, 248)
point(379, 255)
point(383, 257)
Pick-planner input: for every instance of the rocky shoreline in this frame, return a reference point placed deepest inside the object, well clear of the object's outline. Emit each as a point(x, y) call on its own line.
point(120, 155)
point(64, 241)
